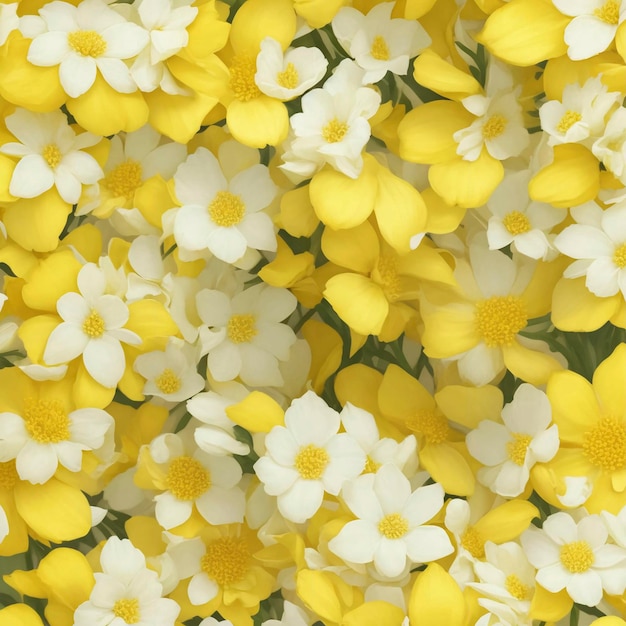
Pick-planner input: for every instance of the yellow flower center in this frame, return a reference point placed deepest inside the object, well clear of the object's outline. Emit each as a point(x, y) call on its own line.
point(227, 209)
point(379, 49)
point(46, 421)
point(226, 560)
point(517, 588)
point(499, 319)
point(494, 126)
point(393, 526)
point(619, 256)
point(242, 71)
point(432, 425)
point(568, 120)
point(88, 43)
point(93, 326)
point(124, 179)
point(516, 223)
point(187, 478)
point(577, 557)
point(311, 462)
point(288, 78)
point(127, 609)
point(8, 475)
point(516, 449)
point(386, 275)
point(52, 155)
point(605, 445)
point(609, 12)
point(241, 328)
point(473, 542)
point(334, 131)
point(371, 467)
point(168, 382)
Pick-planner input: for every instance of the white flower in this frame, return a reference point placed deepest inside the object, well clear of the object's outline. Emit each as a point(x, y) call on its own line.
point(92, 326)
point(223, 216)
point(576, 557)
point(307, 457)
point(391, 529)
point(45, 435)
point(510, 450)
point(288, 75)
point(126, 592)
point(51, 155)
point(83, 40)
point(378, 43)
point(611, 147)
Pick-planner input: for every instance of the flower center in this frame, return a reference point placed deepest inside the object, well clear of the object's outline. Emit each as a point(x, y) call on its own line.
point(124, 179)
point(517, 588)
point(334, 131)
point(605, 445)
point(52, 155)
point(168, 382)
point(379, 49)
point(609, 12)
point(46, 421)
point(432, 425)
point(473, 542)
point(619, 256)
point(568, 120)
point(226, 560)
point(289, 77)
point(8, 475)
point(242, 71)
point(499, 319)
point(241, 328)
point(516, 223)
point(93, 326)
point(494, 126)
point(311, 462)
point(227, 209)
point(87, 43)
point(393, 526)
point(387, 270)
point(516, 449)
point(127, 609)
point(187, 478)
point(577, 556)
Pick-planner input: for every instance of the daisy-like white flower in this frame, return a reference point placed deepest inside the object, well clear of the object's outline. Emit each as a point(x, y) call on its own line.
point(84, 40)
point(391, 530)
point(576, 557)
point(222, 216)
point(509, 450)
point(51, 155)
point(307, 457)
point(126, 591)
point(93, 326)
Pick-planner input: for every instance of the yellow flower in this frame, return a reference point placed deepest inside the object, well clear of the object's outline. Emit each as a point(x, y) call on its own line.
point(19, 615)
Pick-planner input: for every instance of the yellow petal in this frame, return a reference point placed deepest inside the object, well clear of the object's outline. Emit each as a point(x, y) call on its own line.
point(19, 615)
point(287, 268)
point(468, 406)
point(258, 122)
point(68, 574)
point(359, 384)
point(145, 534)
point(449, 467)
point(315, 588)
point(377, 613)
point(153, 199)
point(562, 71)
point(441, 217)
point(550, 607)
point(296, 213)
point(326, 350)
point(257, 19)
point(530, 365)
point(27, 583)
point(354, 248)
point(87, 239)
point(609, 382)
point(257, 413)
point(207, 33)
point(507, 521)
point(414, 9)
point(317, 13)
point(34, 333)
point(149, 318)
point(89, 393)
point(448, 330)
point(401, 396)
point(7, 166)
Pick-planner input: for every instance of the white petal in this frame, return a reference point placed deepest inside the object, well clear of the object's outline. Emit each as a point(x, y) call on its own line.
point(427, 543)
point(198, 179)
point(31, 177)
point(36, 462)
point(356, 542)
point(117, 74)
point(583, 242)
point(104, 360)
point(258, 229)
point(227, 244)
point(224, 362)
point(48, 49)
point(390, 557)
point(275, 478)
point(423, 504)
point(77, 74)
point(170, 511)
point(311, 420)
point(193, 227)
point(201, 589)
point(301, 501)
point(124, 40)
point(585, 588)
point(65, 343)
point(222, 506)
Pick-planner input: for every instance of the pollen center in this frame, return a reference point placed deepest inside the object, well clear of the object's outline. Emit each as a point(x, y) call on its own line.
point(619, 256)
point(52, 155)
point(8, 474)
point(386, 275)
point(516, 449)
point(288, 78)
point(609, 12)
point(311, 462)
point(242, 71)
point(517, 588)
point(168, 382)
point(46, 420)
point(379, 49)
point(516, 223)
point(494, 126)
point(93, 326)
point(577, 556)
point(605, 445)
point(127, 609)
point(568, 120)
point(499, 319)
point(473, 542)
point(334, 131)
point(227, 209)
point(432, 425)
point(226, 560)
point(87, 43)
point(187, 478)
point(124, 179)
point(393, 526)
point(241, 328)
